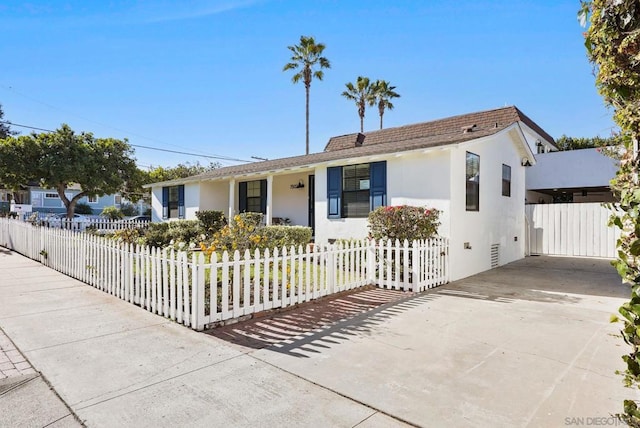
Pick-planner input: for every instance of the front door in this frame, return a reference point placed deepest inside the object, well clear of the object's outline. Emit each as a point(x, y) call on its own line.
point(312, 204)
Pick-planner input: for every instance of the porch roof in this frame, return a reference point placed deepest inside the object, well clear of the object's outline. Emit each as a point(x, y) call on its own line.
point(443, 132)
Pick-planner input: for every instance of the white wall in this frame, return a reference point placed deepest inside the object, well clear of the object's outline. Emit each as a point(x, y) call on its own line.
point(418, 179)
point(291, 203)
point(191, 200)
point(571, 168)
point(500, 219)
point(214, 195)
point(156, 203)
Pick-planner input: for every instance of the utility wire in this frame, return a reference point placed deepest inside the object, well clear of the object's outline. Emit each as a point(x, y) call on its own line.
point(11, 89)
point(140, 146)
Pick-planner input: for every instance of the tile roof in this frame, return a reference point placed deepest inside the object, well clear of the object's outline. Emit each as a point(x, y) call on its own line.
point(436, 133)
point(489, 121)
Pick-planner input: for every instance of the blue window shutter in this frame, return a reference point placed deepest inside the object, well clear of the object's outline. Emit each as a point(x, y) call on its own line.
point(378, 184)
point(242, 196)
point(165, 202)
point(263, 196)
point(181, 201)
point(334, 192)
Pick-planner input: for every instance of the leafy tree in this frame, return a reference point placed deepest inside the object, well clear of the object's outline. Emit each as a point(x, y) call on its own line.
point(383, 93)
point(182, 170)
point(5, 129)
point(362, 93)
point(576, 143)
point(613, 42)
point(304, 58)
point(61, 158)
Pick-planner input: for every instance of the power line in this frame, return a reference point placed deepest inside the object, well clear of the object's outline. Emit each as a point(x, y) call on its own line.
point(140, 146)
point(10, 88)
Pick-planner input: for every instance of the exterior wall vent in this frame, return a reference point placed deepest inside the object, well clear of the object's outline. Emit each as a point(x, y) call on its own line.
point(495, 255)
point(359, 139)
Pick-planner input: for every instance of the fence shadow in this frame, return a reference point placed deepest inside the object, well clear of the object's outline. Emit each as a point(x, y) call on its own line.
point(324, 322)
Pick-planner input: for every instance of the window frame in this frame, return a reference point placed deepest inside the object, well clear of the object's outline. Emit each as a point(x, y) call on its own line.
point(336, 194)
point(506, 182)
point(472, 187)
point(171, 209)
point(51, 196)
point(93, 199)
point(252, 195)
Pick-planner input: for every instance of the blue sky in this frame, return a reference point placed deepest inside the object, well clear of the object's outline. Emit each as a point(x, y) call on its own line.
point(206, 76)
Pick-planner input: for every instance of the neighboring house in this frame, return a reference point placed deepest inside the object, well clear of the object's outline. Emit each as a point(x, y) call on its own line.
point(471, 167)
point(38, 199)
point(571, 176)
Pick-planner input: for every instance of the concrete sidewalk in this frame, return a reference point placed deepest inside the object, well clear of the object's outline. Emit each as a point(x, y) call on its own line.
point(528, 344)
point(115, 364)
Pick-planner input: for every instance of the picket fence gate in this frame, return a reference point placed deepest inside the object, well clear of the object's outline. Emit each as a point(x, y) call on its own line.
point(198, 289)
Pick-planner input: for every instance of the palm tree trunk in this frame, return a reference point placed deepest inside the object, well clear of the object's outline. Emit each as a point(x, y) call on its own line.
point(361, 124)
point(380, 120)
point(307, 117)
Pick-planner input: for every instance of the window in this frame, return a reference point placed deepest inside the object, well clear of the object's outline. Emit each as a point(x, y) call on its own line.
point(173, 202)
point(356, 190)
point(472, 180)
point(506, 180)
point(92, 199)
point(117, 199)
point(51, 196)
point(253, 196)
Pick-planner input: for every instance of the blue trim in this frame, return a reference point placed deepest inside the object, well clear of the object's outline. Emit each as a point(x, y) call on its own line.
point(334, 192)
point(378, 184)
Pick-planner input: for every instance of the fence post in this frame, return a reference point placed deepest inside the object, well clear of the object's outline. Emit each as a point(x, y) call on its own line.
point(197, 292)
point(416, 267)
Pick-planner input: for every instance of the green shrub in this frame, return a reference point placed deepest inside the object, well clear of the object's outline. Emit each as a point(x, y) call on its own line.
point(403, 222)
point(243, 233)
point(128, 236)
point(212, 221)
point(112, 213)
point(128, 210)
point(286, 236)
point(177, 233)
point(82, 208)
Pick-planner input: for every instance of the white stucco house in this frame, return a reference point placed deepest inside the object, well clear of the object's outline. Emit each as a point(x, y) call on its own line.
point(471, 167)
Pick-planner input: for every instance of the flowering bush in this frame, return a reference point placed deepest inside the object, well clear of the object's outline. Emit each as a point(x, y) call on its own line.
point(243, 233)
point(403, 222)
point(246, 232)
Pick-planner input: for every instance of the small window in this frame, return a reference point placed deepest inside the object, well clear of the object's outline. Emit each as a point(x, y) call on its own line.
point(253, 196)
point(117, 199)
point(92, 199)
point(355, 190)
point(506, 180)
point(172, 202)
point(472, 180)
point(51, 196)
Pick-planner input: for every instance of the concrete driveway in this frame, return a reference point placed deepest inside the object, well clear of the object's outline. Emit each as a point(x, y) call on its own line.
point(527, 344)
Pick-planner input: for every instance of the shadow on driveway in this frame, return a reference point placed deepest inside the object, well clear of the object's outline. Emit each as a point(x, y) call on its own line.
point(326, 322)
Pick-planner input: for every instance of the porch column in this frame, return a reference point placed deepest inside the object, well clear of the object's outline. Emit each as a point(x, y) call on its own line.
point(232, 198)
point(269, 212)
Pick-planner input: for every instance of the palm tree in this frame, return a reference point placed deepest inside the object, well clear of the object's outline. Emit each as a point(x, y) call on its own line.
point(383, 93)
point(304, 57)
point(362, 94)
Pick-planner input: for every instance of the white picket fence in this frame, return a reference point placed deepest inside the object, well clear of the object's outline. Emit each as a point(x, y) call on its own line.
point(579, 230)
point(198, 289)
point(99, 224)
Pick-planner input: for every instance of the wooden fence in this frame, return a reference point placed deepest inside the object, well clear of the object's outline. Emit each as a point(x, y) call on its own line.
point(198, 289)
point(571, 230)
